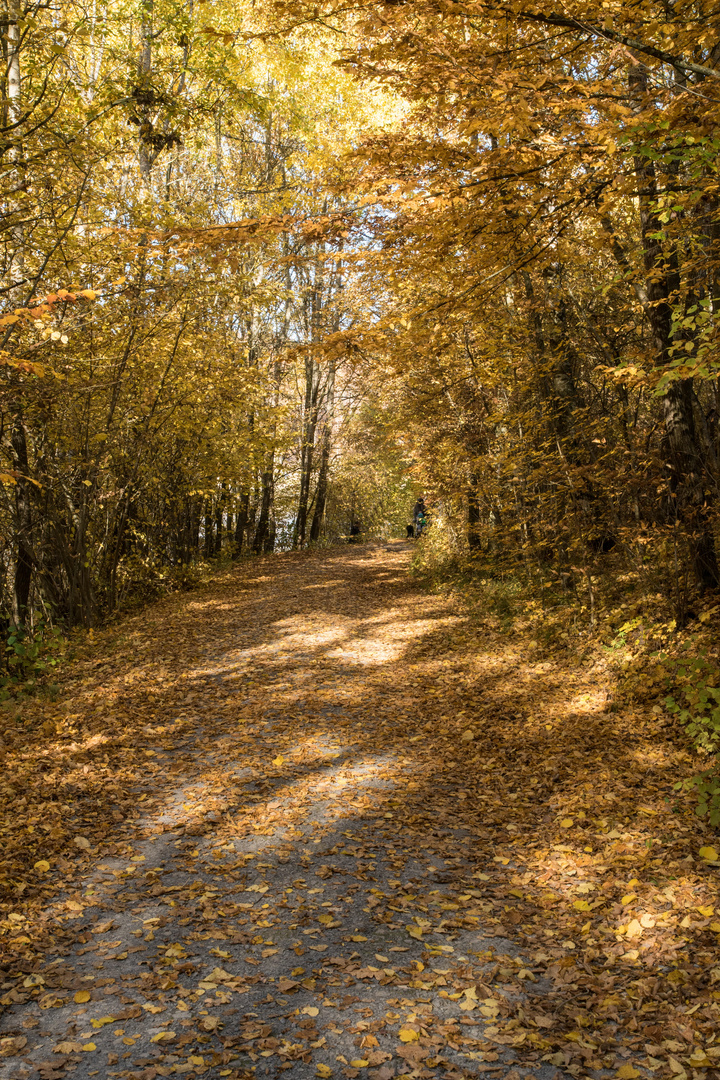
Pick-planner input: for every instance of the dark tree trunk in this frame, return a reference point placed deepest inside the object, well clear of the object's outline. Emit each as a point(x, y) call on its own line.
point(23, 525)
point(264, 540)
point(195, 524)
point(307, 453)
point(219, 511)
point(321, 491)
point(241, 523)
point(209, 544)
point(473, 516)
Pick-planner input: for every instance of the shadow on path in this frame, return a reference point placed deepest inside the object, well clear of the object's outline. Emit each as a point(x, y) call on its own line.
point(314, 874)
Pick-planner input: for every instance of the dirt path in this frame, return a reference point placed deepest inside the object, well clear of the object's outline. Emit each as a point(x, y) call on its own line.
point(323, 826)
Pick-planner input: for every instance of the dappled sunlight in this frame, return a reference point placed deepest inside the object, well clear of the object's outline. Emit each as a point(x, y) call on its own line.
point(366, 813)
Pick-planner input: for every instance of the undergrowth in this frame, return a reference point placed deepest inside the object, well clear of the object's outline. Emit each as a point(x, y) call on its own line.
point(29, 659)
point(622, 619)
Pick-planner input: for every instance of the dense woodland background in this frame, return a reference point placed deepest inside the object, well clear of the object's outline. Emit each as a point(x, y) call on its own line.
point(271, 271)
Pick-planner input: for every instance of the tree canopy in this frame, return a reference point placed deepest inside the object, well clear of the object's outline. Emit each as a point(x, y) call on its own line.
point(271, 271)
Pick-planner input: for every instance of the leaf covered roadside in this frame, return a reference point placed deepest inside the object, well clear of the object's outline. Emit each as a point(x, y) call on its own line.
point(543, 902)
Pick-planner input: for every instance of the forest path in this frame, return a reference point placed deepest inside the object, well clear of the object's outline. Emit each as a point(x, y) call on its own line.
point(357, 842)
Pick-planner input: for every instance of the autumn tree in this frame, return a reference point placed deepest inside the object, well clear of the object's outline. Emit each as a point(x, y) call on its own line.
point(547, 249)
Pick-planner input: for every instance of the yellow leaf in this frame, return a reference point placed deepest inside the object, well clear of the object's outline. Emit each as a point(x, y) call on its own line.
point(707, 910)
point(162, 1035)
point(219, 975)
point(634, 929)
point(360, 1063)
point(467, 736)
point(628, 898)
point(102, 1021)
point(581, 905)
point(33, 980)
point(278, 760)
point(627, 1072)
point(358, 937)
point(42, 865)
point(325, 919)
point(176, 950)
point(708, 853)
point(566, 823)
point(149, 1007)
point(407, 1035)
point(415, 932)
point(323, 1070)
point(467, 1004)
point(715, 927)
point(310, 1010)
point(81, 997)
point(89, 1046)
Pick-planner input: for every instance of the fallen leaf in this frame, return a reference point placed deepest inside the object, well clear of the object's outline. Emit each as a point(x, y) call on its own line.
point(67, 1047)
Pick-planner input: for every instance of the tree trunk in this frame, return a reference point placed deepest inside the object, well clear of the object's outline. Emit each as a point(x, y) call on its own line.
point(23, 525)
point(219, 522)
point(265, 532)
point(241, 523)
point(208, 545)
point(307, 452)
point(323, 474)
point(473, 534)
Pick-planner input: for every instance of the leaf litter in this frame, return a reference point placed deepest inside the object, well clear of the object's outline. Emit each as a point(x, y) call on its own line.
point(310, 821)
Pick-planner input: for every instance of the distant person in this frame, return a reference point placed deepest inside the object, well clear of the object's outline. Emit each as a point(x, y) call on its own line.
point(354, 533)
point(419, 516)
point(409, 532)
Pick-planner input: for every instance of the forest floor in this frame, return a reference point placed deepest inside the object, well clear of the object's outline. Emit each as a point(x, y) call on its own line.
point(310, 821)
